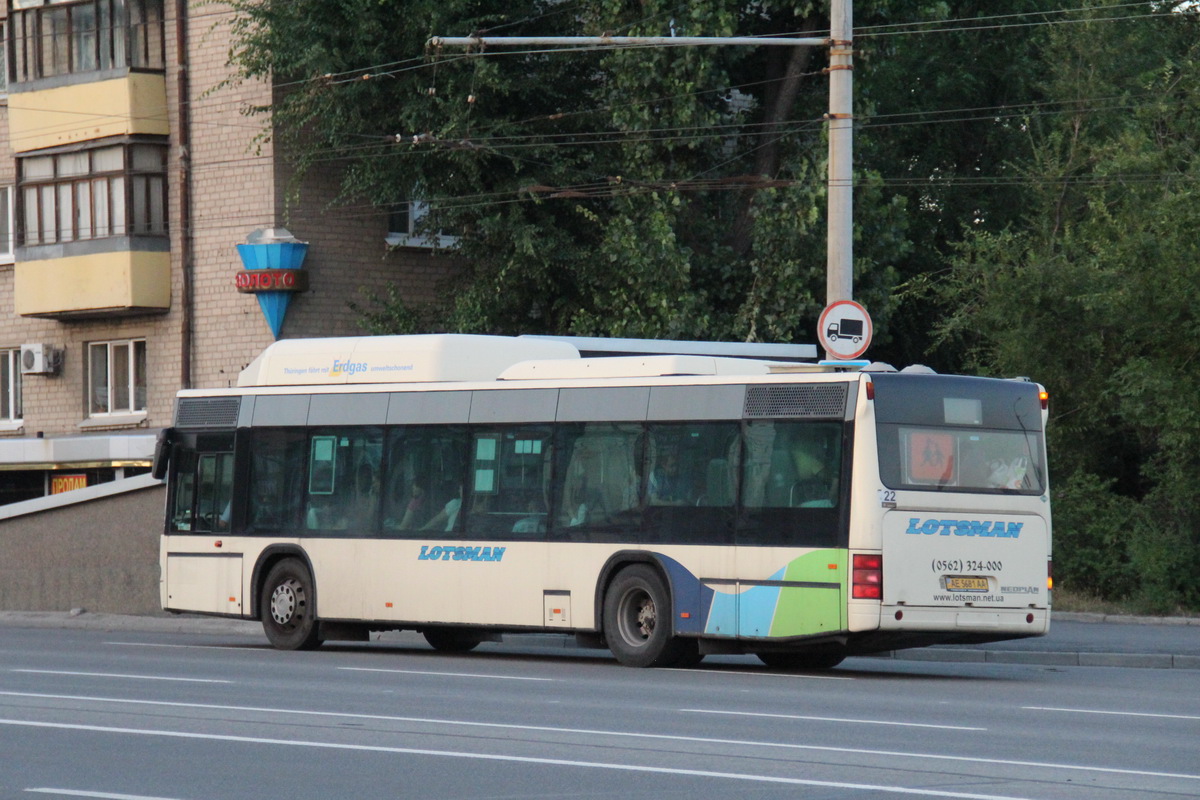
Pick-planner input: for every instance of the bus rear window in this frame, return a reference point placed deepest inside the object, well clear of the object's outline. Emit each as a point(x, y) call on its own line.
point(947, 433)
point(955, 459)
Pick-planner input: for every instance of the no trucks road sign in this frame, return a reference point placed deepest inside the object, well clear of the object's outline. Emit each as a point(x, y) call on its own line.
point(844, 329)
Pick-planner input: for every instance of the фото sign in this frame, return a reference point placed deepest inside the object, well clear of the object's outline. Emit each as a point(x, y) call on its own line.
point(272, 280)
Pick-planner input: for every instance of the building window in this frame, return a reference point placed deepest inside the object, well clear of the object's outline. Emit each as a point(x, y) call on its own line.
point(405, 222)
point(116, 377)
point(3, 59)
point(51, 37)
point(118, 190)
point(7, 228)
point(10, 385)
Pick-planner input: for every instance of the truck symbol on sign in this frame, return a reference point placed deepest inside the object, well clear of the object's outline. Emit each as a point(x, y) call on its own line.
point(846, 329)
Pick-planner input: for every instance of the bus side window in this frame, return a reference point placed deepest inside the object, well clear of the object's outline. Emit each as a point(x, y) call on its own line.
point(422, 490)
point(598, 479)
point(277, 475)
point(343, 481)
point(509, 486)
point(691, 485)
point(791, 483)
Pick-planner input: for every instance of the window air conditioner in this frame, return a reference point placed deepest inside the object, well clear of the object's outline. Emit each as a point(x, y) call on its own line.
point(40, 359)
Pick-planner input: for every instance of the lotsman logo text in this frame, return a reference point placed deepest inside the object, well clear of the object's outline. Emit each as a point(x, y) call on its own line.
point(348, 367)
point(439, 553)
point(965, 527)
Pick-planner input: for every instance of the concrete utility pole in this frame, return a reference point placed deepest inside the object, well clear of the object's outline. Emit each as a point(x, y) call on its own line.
point(839, 245)
point(839, 284)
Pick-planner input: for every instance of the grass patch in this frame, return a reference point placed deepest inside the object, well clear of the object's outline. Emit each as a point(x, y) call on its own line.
point(1068, 600)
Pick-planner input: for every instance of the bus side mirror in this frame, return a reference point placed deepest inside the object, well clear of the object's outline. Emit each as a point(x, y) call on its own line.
point(162, 453)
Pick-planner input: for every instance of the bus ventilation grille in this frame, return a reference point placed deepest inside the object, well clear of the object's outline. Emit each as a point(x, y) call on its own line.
point(208, 412)
point(826, 400)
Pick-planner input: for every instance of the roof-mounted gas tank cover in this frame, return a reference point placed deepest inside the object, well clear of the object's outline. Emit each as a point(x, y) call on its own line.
point(395, 359)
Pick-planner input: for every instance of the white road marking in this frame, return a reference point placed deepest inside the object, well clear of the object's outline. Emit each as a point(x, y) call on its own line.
point(831, 719)
point(1113, 713)
point(175, 646)
point(621, 734)
point(556, 762)
point(448, 674)
point(104, 795)
point(117, 675)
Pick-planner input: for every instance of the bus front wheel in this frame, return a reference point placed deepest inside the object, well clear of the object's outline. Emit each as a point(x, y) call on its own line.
point(288, 611)
point(637, 621)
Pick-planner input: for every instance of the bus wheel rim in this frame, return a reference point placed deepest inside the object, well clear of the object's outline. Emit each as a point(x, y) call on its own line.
point(284, 602)
point(639, 617)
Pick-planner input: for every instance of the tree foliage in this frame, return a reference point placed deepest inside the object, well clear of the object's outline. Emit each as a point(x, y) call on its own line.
point(1092, 289)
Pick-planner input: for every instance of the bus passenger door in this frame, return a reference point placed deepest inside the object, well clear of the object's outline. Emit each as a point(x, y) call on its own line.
point(501, 564)
point(791, 572)
point(199, 574)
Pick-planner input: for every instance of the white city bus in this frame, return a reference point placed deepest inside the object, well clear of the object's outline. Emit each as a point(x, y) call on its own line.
point(665, 506)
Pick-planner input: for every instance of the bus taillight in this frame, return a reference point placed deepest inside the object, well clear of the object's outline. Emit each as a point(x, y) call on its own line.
point(868, 577)
point(1044, 397)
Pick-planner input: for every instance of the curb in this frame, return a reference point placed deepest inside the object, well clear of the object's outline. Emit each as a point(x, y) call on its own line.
point(1120, 619)
point(1047, 659)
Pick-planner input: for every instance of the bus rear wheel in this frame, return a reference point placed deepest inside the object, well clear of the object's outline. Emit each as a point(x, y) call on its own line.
point(288, 611)
point(637, 621)
point(801, 661)
point(452, 640)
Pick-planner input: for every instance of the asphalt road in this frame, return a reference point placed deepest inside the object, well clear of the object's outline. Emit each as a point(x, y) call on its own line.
point(211, 712)
point(1074, 639)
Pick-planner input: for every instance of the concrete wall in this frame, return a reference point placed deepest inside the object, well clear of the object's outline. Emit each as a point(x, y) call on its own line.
point(100, 555)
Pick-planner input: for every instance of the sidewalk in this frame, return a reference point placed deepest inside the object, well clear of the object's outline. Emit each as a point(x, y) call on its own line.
point(1084, 640)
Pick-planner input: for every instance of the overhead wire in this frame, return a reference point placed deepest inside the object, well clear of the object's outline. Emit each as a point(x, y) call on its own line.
point(736, 130)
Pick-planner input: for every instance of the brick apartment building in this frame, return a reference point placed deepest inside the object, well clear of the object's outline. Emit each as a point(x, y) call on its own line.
point(128, 175)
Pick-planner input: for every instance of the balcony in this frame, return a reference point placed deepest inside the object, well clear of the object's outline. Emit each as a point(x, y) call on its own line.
point(135, 103)
point(99, 284)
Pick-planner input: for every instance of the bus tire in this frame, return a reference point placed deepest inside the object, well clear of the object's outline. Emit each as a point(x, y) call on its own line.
point(801, 661)
point(637, 620)
point(451, 640)
point(288, 611)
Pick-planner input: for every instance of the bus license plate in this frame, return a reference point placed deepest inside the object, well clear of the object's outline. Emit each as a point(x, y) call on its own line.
point(960, 584)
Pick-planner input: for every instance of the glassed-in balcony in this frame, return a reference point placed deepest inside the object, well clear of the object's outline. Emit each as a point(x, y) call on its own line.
point(85, 70)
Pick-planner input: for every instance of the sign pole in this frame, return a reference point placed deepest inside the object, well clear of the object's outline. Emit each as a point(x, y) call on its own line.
point(839, 282)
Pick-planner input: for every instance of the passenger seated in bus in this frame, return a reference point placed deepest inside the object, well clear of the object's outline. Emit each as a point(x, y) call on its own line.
point(416, 511)
point(321, 513)
point(365, 499)
point(667, 484)
point(588, 508)
point(581, 505)
point(815, 485)
point(444, 520)
point(536, 521)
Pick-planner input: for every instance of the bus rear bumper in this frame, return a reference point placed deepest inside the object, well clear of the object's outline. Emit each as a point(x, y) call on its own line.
point(924, 626)
point(1003, 623)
